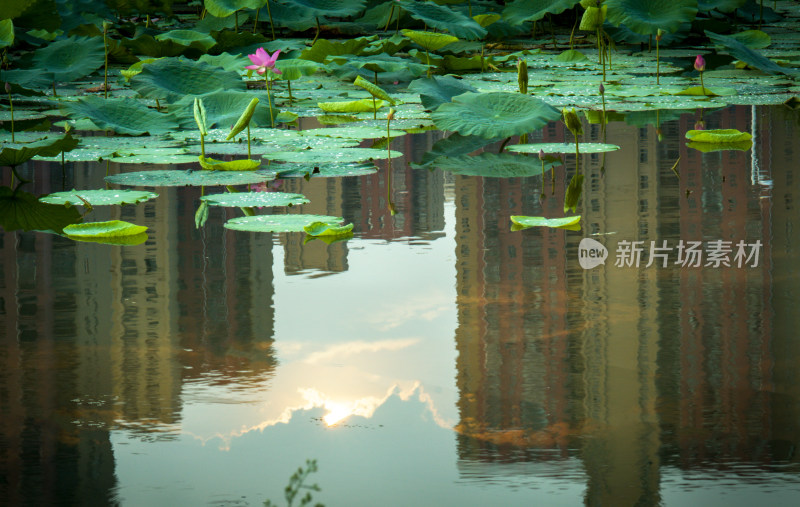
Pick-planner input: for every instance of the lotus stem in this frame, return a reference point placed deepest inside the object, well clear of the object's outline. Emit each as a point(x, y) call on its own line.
point(236, 21)
point(289, 87)
point(316, 36)
point(147, 22)
point(374, 109)
point(269, 101)
point(158, 105)
point(248, 141)
point(255, 22)
point(702, 86)
point(658, 65)
point(427, 58)
point(389, 117)
point(203, 144)
point(503, 145)
point(54, 89)
point(11, 104)
point(572, 33)
point(389, 20)
point(271, 24)
point(105, 69)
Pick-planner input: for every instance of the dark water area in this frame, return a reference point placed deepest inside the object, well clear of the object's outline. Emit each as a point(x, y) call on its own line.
point(437, 358)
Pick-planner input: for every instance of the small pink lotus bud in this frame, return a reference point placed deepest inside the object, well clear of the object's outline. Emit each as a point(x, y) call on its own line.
point(602, 89)
point(700, 125)
point(541, 155)
point(699, 64)
point(8, 87)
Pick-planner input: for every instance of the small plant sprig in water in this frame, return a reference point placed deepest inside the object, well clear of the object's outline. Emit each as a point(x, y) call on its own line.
point(263, 64)
point(297, 483)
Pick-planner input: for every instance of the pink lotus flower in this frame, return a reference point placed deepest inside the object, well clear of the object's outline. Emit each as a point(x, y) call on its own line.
point(699, 64)
point(263, 61)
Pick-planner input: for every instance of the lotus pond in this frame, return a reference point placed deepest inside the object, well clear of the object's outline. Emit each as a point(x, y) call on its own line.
point(296, 252)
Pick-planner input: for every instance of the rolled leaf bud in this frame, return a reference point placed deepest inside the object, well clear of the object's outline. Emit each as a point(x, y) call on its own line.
point(391, 114)
point(572, 121)
point(699, 64)
point(522, 76)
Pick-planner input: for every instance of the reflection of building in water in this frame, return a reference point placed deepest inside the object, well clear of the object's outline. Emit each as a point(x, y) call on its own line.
point(326, 196)
point(653, 367)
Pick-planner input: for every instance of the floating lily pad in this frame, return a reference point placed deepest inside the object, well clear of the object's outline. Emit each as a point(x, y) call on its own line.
point(14, 154)
point(343, 155)
point(490, 115)
point(492, 165)
point(562, 148)
point(176, 178)
point(706, 91)
point(523, 222)
point(255, 199)
point(211, 164)
point(324, 229)
point(98, 197)
point(353, 132)
point(109, 229)
point(168, 157)
point(279, 223)
point(351, 106)
point(430, 40)
point(437, 90)
point(455, 145)
point(122, 115)
point(323, 170)
point(718, 136)
point(132, 240)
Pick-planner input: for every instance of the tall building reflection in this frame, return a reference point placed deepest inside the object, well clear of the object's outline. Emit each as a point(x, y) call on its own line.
point(630, 369)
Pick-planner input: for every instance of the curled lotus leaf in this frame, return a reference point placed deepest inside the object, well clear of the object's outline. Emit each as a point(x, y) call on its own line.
point(108, 229)
point(572, 223)
point(718, 136)
point(279, 223)
point(430, 40)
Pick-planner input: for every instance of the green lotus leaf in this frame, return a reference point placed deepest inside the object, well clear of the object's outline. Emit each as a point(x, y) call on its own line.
point(753, 39)
point(70, 59)
point(109, 229)
point(295, 68)
point(520, 11)
point(493, 165)
point(573, 193)
point(335, 8)
point(324, 48)
point(720, 5)
point(523, 222)
point(490, 115)
point(255, 199)
point(226, 61)
point(352, 132)
point(279, 223)
point(22, 211)
point(707, 92)
point(224, 8)
point(174, 78)
point(442, 17)
point(102, 197)
point(351, 106)
point(6, 33)
point(136, 68)
point(648, 16)
point(379, 63)
point(325, 229)
point(123, 116)
point(14, 154)
point(324, 170)
point(718, 136)
point(189, 38)
point(374, 90)
point(211, 164)
point(707, 147)
point(454, 145)
point(571, 56)
point(343, 155)
point(563, 148)
point(177, 178)
point(747, 55)
point(132, 240)
point(430, 40)
point(223, 109)
point(166, 157)
point(435, 91)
